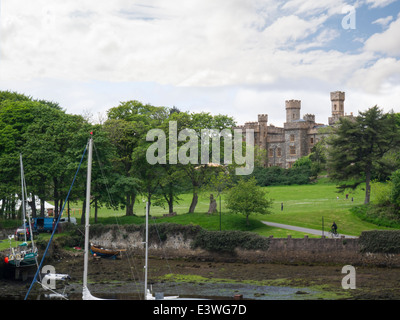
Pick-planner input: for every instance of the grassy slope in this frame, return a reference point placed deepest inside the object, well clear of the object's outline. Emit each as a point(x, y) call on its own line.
point(304, 206)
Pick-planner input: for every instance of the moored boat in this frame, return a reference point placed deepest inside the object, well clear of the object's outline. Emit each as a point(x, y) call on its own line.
point(103, 252)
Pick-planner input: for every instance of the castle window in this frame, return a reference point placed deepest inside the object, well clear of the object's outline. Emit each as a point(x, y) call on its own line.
point(292, 138)
point(292, 150)
point(279, 152)
point(270, 153)
point(311, 140)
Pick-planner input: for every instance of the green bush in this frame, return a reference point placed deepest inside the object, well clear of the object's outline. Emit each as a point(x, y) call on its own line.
point(227, 241)
point(380, 241)
point(274, 176)
point(386, 216)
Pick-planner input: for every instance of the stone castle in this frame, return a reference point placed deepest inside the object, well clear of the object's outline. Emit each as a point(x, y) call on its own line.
point(298, 135)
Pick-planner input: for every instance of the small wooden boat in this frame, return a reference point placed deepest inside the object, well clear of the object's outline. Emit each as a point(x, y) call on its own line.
point(105, 253)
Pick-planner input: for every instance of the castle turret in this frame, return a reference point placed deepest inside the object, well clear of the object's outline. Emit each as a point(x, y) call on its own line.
point(337, 101)
point(263, 118)
point(309, 117)
point(292, 110)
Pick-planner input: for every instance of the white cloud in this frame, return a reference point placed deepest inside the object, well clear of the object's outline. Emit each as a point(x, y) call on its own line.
point(379, 77)
point(386, 42)
point(383, 21)
point(379, 3)
point(183, 50)
point(312, 7)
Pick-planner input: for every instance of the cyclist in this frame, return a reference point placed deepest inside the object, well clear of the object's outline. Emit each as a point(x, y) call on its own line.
point(334, 228)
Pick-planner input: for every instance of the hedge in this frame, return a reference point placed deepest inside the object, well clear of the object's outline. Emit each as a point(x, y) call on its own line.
point(380, 241)
point(228, 241)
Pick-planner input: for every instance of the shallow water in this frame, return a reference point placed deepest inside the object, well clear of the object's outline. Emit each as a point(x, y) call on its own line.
point(214, 291)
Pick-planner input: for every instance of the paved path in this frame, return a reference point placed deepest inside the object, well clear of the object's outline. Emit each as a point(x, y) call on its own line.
point(300, 229)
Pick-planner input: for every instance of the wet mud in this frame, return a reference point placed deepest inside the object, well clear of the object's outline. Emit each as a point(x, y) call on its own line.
point(219, 280)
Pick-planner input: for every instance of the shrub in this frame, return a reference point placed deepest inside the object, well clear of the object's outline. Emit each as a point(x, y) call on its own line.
point(227, 241)
point(380, 241)
point(386, 216)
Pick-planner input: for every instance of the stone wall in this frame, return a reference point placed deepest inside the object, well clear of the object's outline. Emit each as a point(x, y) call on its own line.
point(281, 250)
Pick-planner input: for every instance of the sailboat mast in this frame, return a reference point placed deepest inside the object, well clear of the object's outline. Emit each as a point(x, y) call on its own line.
point(147, 249)
point(23, 196)
point(88, 185)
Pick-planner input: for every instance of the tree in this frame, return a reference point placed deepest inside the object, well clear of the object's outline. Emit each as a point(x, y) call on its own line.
point(124, 137)
point(358, 145)
point(318, 157)
point(204, 125)
point(394, 195)
point(172, 183)
point(127, 126)
point(247, 198)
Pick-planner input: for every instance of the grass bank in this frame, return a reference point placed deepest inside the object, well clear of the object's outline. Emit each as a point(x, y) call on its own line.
point(311, 206)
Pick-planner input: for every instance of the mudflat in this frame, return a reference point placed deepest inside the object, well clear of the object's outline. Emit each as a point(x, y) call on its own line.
point(372, 283)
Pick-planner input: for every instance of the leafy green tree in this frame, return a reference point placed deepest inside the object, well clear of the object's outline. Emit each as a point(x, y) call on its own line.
point(125, 138)
point(127, 126)
point(358, 146)
point(318, 157)
point(172, 183)
point(199, 173)
point(394, 195)
point(247, 198)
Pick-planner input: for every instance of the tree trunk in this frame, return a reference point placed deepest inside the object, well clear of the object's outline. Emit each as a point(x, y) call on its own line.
point(13, 208)
point(32, 204)
point(95, 210)
point(3, 204)
point(130, 201)
point(367, 186)
point(170, 204)
point(213, 205)
point(83, 213)
point(42, 208)
point(194, 202)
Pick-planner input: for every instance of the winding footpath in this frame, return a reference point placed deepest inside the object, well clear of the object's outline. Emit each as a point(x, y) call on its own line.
point(301, 229)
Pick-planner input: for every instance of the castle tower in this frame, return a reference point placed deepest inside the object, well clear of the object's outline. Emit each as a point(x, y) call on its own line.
point(263, 118)
point(292, 110)
point(337, 101)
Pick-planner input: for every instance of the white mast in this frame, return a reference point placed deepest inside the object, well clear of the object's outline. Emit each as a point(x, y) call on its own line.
point(89, 173)
point(147, 248)
point(23, 196)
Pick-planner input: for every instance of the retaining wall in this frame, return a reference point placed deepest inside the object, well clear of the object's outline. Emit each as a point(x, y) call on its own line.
point(281, 250)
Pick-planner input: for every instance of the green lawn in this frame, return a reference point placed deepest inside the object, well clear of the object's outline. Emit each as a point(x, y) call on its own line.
point(308, 205)
point(303, 206)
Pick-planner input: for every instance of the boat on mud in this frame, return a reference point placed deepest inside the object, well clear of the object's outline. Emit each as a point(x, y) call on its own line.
point(99, 251)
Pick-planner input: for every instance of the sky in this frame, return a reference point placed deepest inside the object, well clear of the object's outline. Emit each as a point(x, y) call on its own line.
point(235, 57)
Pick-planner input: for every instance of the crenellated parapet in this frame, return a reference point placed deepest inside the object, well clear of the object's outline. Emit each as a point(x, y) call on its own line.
point(309, 117)
point(263, 118)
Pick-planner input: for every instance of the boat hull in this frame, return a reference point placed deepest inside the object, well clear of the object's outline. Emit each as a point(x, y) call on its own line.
point(105, 253)
point(26, 261)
